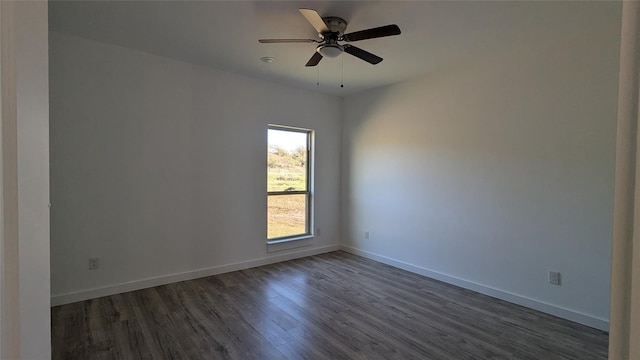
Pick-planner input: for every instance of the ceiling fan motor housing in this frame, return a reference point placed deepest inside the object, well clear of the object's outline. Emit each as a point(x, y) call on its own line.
point(335, 24)
point(330, 48)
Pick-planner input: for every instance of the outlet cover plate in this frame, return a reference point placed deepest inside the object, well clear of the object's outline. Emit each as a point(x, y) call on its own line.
point(94, 263)
point(554, 277)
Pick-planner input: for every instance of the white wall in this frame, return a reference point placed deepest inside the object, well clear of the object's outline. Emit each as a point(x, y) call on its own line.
point(25, 322)
point(490, 174)
point(158, 168)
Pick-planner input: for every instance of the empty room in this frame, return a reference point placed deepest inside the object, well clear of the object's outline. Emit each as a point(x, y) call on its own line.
point(319, 180)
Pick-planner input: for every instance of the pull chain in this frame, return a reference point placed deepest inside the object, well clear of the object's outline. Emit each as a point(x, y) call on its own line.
point(318, 75)
point(342, 76)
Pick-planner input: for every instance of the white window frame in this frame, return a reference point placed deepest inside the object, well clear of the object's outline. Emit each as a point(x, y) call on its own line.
point(284, 242)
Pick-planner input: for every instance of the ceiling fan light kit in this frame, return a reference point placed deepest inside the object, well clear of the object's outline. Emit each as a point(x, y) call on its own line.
point(329, 50)
point(331, 30)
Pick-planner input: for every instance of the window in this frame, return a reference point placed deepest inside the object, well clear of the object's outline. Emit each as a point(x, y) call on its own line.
point(288, 183)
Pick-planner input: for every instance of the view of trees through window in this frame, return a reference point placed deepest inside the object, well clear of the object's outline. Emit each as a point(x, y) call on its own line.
point(287, 183)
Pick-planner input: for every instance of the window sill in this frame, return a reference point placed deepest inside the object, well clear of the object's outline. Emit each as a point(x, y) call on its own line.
point(289, 243)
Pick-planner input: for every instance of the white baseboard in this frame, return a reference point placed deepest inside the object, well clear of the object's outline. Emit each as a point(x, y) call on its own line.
point(66, 298)
point(572, 315)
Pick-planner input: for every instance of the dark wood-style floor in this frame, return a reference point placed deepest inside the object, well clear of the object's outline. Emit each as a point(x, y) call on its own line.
point(331, 306)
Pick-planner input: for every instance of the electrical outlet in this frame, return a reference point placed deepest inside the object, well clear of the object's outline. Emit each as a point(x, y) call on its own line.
point(317, 231)
point(554, 277)
point(94, 263)
point(366, 235)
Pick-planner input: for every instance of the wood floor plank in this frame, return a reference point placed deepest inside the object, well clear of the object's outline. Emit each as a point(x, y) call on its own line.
point(330, 306)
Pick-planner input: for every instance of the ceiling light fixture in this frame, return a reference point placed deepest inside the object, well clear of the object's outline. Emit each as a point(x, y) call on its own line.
point(329, 50)
point(268, 59)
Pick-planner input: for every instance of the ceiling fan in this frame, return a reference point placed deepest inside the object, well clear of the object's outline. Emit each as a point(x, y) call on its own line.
point(331, 30)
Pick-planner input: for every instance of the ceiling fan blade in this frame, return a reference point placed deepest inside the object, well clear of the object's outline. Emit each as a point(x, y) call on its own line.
point(364, 55)
point(315, 59)
point(381, 31)
point(278, 41)
point(315, 19)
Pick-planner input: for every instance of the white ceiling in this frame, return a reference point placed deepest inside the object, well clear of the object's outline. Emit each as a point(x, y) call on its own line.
point(224, 34)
